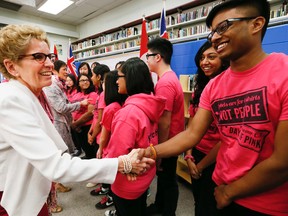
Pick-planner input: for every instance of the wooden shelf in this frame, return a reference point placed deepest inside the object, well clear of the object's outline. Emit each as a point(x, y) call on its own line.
point(182, 169)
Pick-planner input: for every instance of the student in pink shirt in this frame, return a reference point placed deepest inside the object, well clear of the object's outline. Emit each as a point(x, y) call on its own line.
point(171, 123)
point(134, 126)
point(201, 161)
point(94, 132)
point(251, 112)
point(114, 102)
point(82, 118)
point(99, 72)
point(71, 87)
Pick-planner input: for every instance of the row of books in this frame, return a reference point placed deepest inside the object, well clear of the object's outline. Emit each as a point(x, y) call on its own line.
point(188, 31)
point(151, 25)
point(110, 48)
point(124, 33)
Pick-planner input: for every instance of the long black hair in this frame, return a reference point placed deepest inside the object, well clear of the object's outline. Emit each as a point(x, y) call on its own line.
point(74, 79)
point(201, 79)
point(111, 89)
point(88, 66)
point(90, 89)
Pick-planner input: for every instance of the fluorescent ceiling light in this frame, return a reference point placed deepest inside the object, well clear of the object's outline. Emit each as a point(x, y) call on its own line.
point(55, 6)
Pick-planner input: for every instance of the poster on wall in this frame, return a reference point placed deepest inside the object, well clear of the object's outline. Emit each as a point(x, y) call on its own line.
point(59, 49)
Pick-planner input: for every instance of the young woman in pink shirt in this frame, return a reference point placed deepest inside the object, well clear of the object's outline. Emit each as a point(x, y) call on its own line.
point(135, 125)
point(82, 118)
point(114, 102)
point(201, 161)
point(71, 87)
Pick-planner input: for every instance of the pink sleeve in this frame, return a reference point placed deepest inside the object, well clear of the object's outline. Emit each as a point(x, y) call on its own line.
point(166, 92)
point(204, 99)
point(107, 119)
point(93, 97)
point(101, 103)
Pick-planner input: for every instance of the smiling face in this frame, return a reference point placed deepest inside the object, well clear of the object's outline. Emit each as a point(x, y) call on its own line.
point(84, 70)
point(62, 74)
point(210, 63)
point(69, 82)
point(30, 72)
point(236, 41)
point(84, 82)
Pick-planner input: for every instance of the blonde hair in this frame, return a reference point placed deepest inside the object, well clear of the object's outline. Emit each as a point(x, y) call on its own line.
point(14, 40)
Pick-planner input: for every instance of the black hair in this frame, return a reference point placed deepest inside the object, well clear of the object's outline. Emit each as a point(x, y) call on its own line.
point(261, 6)
point(137, 76)
point(90, 89)
point(95, 63)
point(101, 70)
point(111, 89)
point(74, 79)
point(120, 63)
point(201, 80)
point(88, 66)
point(58, 64)
point(163, 47)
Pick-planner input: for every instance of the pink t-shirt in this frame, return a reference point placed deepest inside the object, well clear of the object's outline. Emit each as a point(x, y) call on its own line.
point(79, 97)
point(168, 86)
point(107, 117)
point(247, 107)
point(100, 104)
point(135, 125)
point(210, 139)
point(70, 95)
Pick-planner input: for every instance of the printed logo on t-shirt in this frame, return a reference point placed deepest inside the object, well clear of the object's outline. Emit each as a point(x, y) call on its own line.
point(236, 114)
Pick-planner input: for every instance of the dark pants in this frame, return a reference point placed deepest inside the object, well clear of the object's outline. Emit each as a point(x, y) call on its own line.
point(82, 138)
point(237, 210)
point(203, 189)
point(43, 212)
point(125, 207)
point(75, 140)
point(167, 187)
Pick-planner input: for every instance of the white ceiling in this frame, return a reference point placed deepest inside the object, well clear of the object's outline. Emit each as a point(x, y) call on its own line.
point(75, 14)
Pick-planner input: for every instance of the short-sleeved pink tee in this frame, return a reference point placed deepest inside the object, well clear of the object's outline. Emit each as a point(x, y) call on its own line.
point(247, 107)
point(168, 86)
point(79, 97)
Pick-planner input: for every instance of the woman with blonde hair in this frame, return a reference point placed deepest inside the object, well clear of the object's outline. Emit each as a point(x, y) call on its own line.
point(31, 149)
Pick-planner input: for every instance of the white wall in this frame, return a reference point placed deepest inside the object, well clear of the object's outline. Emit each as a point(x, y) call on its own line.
point(12, 17)
point(59, 40)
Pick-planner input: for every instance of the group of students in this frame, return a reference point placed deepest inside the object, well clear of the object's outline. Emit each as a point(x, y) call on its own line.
point(235, 141)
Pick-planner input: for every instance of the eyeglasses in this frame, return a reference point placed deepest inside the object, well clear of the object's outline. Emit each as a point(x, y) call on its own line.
point(119, 76)
point(84, 80)
point(39, 57)
point(151, 54)
point(223, 26)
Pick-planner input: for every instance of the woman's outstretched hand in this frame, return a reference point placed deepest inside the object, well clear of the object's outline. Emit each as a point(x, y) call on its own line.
point(134, 164)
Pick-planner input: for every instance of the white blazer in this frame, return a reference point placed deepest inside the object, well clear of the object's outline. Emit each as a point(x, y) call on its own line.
point(31, 154)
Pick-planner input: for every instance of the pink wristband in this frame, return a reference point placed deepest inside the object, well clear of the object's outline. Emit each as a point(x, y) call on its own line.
point(189, 157)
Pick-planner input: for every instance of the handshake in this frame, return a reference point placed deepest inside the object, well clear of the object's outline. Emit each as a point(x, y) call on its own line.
point(137, 162)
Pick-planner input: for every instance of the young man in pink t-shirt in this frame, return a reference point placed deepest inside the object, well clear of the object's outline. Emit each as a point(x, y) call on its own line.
point(249, 103)
point(171, 123)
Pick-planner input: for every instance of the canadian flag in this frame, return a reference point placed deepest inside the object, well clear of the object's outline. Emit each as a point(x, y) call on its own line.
point(144, 41)
point(144, 49)
point(55, 52)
